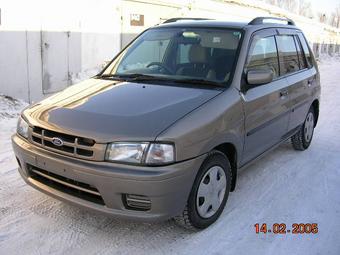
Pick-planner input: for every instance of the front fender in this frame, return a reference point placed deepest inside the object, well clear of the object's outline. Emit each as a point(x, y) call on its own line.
point(220, 120)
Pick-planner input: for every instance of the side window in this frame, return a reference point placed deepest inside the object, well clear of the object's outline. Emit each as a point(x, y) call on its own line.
point(306, 51)
point(183, 53)
point(263, 55)
point(289, 58)
point(302, 60)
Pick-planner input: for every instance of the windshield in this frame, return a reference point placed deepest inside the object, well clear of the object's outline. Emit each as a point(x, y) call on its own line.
point(179, 54)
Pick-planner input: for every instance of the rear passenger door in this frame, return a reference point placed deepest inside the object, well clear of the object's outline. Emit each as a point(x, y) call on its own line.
point(266, 106)
point(295, 66)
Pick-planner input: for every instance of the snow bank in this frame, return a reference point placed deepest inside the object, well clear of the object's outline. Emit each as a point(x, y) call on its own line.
point(327, 59)
point(78, 77)
point(10, 107)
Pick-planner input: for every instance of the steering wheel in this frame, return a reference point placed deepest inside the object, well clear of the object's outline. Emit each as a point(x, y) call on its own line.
point(167, 69)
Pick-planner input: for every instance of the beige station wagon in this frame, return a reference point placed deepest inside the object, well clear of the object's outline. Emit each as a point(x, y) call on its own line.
point(163, 130)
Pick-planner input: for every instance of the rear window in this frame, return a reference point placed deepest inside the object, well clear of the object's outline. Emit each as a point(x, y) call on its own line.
point(289, 58)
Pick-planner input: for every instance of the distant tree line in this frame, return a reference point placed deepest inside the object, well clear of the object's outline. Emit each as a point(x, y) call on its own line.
point(304, 8)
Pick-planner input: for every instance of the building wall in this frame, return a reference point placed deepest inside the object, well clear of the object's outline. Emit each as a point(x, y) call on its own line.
point(45, 44)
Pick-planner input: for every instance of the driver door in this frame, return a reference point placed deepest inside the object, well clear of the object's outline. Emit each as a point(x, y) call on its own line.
point(266, 106)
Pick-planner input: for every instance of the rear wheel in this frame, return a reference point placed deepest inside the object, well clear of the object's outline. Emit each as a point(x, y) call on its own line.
point(209, 193)
point(302, 139)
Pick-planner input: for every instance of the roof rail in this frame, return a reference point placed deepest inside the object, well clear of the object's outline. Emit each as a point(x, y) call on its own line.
point(180, 19)
point(259, 20)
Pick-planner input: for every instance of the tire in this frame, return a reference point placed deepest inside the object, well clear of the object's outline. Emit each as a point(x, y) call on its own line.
point(207, 198)
point(303, 138)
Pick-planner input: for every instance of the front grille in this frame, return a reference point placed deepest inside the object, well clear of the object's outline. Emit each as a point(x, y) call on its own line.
point(66, 185)
point(72, 145)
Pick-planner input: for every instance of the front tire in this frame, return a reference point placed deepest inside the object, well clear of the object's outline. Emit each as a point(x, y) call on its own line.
point(209, 193)
point(302, 139)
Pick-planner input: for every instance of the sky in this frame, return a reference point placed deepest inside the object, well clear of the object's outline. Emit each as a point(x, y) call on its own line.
point(324, 6)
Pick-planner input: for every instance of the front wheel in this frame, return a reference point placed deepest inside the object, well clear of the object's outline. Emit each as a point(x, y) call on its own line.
point(302, 139)
point(209, 193)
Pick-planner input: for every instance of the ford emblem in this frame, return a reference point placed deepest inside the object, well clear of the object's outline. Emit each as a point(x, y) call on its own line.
point(57, 141)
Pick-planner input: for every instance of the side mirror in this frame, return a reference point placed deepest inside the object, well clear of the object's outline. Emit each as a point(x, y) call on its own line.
point(258, 76)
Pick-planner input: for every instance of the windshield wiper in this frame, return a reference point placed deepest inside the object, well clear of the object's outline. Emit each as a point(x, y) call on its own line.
point(200, 82)
point(145, 77)
point(109, 76)
point(132, 77)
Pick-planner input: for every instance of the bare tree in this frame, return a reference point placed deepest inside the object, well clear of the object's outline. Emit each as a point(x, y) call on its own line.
point(305, 8)
point(332, 19)
point(272, 2)
point(290, 5)
point(337, 17)
point(322, 17)
point(281, 3)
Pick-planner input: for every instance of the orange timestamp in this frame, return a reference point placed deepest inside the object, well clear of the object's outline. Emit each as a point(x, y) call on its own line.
point(281, 228)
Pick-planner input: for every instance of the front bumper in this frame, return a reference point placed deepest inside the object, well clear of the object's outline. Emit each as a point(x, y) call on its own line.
point(167, 187)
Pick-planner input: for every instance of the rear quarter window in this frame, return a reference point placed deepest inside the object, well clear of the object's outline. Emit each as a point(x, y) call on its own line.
point(306, 51)
point(302, 59)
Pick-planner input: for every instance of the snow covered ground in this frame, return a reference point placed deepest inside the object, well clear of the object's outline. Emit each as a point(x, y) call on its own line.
point(285, 187)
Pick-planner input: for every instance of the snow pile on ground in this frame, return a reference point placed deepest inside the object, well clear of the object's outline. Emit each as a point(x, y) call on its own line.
point(78, 77)
point(326, 58)
point(10, 107)
point(285, 186)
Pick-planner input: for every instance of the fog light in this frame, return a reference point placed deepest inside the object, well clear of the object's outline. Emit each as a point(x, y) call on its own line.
point(137, 202)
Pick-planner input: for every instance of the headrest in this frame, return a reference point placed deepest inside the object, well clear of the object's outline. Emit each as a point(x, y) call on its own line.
point(197, 54)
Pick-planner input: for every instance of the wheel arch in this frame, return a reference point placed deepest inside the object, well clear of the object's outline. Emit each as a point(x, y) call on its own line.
point(230, 151)
point(316, 109)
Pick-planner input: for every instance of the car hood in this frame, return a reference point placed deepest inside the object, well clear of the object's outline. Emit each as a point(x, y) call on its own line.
point(107, 110)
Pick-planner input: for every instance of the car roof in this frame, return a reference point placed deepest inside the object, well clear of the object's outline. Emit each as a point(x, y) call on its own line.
point(207, 23)
point(204, 23)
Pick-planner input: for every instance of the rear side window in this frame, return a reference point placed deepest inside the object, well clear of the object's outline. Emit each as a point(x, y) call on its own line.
point(289, 58)
point(302, 60)
point(183, 53)
point(306, 51)
point(263, 55)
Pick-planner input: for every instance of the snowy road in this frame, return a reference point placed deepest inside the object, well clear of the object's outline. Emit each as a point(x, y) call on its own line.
point(285, 187)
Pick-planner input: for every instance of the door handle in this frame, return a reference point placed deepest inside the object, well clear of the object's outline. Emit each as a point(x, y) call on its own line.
point(283, 93)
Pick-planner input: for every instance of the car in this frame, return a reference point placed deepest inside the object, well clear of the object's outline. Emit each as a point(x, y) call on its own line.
point(163, 130)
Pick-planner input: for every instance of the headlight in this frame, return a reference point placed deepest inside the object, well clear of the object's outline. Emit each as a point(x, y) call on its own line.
point(22, 127)
point(140, 153)
point(126, 152)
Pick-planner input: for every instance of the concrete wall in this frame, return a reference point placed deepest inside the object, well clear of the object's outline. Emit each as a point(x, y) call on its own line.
point(44, 44)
